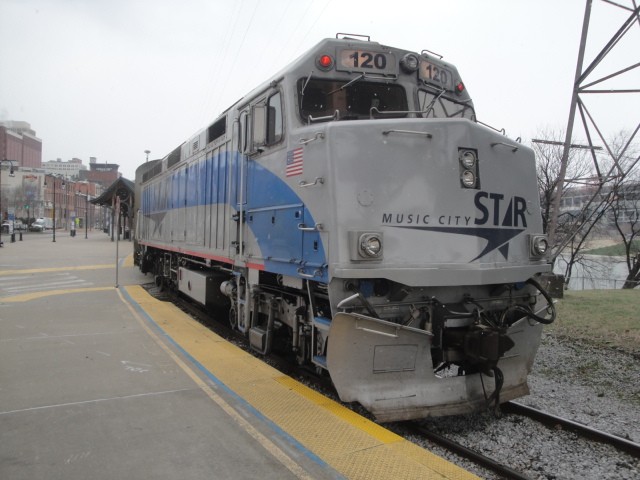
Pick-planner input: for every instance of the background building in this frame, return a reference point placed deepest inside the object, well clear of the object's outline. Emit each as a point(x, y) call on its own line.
point(31, 193)
point(71, 201)
point(102, 173)
point(21, 195)
point(70, 169)
point(38, 189)
point(18, 142)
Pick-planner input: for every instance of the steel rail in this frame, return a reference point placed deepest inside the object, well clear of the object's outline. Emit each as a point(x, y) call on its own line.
point(468, 453)
point(551, 420)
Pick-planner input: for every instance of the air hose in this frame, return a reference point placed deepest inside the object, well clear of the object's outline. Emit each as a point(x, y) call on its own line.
point(551, 307)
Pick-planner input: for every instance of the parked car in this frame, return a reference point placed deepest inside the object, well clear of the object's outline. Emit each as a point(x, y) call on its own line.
point(38, 226)
point(19, 226)
point(7, 227)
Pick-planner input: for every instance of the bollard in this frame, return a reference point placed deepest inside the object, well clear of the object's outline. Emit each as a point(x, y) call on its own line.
point(13, 238)
point(20, 236)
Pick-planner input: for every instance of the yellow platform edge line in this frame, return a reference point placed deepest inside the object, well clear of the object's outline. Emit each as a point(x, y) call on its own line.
point(55, 269)
point(27, 297)
point(128, 261)
point(373, 429)
point(168, 316)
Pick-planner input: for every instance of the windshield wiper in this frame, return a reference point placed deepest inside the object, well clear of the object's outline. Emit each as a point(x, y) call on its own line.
point(306, 82)
point(433, 102)
point(359, 77)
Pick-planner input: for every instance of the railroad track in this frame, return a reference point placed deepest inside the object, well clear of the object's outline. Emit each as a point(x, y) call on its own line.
point(466, 452)
point(580, 429)
point(547, 419)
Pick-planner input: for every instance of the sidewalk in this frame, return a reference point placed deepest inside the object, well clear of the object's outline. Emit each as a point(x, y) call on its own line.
point(38, 250)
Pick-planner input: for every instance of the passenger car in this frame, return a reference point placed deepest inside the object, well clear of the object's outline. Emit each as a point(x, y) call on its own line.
point(38, 226)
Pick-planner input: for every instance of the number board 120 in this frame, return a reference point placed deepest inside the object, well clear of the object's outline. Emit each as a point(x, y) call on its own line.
point(432, 73)
point(367, 61)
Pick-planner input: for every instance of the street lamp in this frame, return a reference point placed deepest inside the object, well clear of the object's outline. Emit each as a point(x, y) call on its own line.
point(86, 216)
point(147, 152)
point(11, 175)
point(64, 210)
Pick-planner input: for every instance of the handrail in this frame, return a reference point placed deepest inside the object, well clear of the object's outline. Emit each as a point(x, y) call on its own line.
point(318, 136)
point(514, 148)
point(304, 184)
point(303, 227)
point(409, 132)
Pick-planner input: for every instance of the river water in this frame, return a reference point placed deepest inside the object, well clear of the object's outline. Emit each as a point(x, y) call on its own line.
point(595, 272)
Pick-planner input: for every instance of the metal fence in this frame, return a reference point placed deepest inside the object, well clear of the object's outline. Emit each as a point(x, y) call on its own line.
point(594, 283)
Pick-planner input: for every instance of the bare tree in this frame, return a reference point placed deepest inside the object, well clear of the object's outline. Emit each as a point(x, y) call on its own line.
point(625, 203)
point(548, 159)
point(579, 216)
point(626, 217)
point(578, 228)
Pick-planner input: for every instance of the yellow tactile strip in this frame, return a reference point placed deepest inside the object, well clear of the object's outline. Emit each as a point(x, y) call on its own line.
point(352, 445)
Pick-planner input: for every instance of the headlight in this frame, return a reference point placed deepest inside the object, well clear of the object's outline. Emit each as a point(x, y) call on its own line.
point(370, 245)
point(468, 179)
point(539, 245)
point(467, 159)
point(409, 63)
point(469, 168)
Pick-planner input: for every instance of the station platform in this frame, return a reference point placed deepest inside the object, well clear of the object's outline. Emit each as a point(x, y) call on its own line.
point(98, 379)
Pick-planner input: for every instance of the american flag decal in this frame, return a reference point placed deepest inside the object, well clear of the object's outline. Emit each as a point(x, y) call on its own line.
point(295, 162)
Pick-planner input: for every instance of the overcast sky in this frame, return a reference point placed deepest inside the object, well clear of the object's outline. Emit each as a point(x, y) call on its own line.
point(112, 78)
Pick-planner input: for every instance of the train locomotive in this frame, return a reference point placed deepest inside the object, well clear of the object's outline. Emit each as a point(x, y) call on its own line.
point(352, 212)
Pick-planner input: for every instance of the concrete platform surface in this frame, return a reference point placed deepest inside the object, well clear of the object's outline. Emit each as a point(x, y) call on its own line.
point(105, 382)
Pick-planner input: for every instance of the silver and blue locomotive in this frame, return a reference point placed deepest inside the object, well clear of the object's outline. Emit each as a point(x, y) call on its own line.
point(352, 212)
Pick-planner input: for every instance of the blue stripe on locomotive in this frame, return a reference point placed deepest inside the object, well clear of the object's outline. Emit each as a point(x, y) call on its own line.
point(274, 212)
point(273, 209)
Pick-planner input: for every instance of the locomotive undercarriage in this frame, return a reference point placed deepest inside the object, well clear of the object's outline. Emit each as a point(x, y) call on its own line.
point(402, 352)
point(270, 310)
point(468, 331)
point(408, 353)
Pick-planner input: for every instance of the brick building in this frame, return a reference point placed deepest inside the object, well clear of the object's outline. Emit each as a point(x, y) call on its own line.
point(102, 173)
point(18, 142)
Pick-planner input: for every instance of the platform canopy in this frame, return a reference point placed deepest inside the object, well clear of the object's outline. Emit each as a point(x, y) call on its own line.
point(122, 218)
point(122, 188)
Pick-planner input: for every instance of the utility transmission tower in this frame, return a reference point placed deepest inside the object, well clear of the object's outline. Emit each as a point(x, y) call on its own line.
point(585, 81)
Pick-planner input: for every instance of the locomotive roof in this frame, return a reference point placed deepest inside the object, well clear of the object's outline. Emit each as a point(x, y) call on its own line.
point(328, 45)
point(301, 64)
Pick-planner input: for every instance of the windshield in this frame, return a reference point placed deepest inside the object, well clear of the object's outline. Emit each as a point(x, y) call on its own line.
point(352, 100)
point(436, 104)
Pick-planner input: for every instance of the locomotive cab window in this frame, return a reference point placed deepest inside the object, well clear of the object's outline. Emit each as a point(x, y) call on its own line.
point(243, 132)
point(264, 127)
point(274, 119)
point(321, 99)
point(436, 104)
